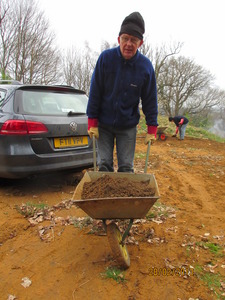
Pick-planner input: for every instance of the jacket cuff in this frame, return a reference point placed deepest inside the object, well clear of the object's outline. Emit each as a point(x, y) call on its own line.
point(152, 130)
point(92, 123)
point(181, 121)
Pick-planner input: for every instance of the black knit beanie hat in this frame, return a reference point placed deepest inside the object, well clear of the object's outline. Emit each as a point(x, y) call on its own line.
point(133, 25)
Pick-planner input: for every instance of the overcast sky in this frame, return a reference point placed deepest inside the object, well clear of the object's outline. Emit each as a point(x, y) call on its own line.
point(199, 24)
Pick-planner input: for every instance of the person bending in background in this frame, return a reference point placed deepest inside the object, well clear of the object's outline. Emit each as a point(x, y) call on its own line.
point(122, 76)
point(181, 124)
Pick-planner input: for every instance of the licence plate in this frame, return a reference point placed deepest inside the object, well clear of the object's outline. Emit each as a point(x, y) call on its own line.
point(72, 141)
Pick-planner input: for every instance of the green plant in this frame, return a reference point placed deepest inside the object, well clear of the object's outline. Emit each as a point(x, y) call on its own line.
point(213, 248)
point(29, 209)
point(199, 120)
point(115, 274)
point(140, 155)
point(82, 222)
point(150, 215)
point(160, 211)
point(188, 250)
point(212, 280)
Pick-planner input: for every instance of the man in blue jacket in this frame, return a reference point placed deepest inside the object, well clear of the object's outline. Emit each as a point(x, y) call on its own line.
point(122, 77)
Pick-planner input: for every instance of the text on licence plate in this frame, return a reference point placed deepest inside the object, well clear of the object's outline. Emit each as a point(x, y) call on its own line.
point(72, 141)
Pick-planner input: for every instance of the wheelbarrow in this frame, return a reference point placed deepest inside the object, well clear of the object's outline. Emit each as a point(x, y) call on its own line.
point(161, 133)
point(111, 209)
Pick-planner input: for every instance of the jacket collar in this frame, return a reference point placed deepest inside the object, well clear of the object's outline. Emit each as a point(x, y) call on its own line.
point(128, 61)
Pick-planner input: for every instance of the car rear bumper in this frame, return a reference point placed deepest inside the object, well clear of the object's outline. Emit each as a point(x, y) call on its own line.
point(19, 166)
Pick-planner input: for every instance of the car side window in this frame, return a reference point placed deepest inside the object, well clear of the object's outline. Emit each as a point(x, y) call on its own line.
point(2, 97)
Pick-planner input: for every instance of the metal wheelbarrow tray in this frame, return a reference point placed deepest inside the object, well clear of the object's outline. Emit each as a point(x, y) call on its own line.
point(120, 207)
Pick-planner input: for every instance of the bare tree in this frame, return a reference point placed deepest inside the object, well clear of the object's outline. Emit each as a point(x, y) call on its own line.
point(185, 86)
point(33, 57)
point(106, 45)
point(182, 85)
point(205, 100)
point(160, 54)
point(78, 67)
point(7, 36)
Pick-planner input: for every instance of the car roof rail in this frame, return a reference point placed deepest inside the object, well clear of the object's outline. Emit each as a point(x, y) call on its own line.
point(10, 81)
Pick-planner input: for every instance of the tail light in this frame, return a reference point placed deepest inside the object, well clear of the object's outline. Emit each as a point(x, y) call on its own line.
point(21, 127)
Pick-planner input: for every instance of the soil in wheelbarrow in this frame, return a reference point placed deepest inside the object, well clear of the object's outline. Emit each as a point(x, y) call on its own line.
point(107, 187)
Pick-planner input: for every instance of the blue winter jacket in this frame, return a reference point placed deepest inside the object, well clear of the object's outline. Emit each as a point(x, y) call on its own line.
point(117, 85)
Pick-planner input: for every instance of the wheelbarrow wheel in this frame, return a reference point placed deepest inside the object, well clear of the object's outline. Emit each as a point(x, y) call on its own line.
point(119, 249)
point(162, 137)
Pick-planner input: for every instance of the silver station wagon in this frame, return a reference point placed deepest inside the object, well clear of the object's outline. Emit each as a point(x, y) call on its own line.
point(43, 129)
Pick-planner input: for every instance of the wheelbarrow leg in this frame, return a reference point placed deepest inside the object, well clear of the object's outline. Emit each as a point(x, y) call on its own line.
point(126, 232)
point(104, 224)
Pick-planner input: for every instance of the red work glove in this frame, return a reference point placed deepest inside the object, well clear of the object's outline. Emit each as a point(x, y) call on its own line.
point(151, 135)
point(93, 128)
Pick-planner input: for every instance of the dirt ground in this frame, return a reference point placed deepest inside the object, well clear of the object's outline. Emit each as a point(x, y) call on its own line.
point(176, 252)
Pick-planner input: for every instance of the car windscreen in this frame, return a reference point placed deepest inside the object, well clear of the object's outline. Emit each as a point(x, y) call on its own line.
point(47, 102)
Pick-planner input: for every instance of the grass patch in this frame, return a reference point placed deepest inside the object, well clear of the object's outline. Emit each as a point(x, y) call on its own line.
point(160, 211)
point(150, 215)
point(188, 251)
point(29, 209)
point(213, 281)
point(115, 274)
point(82, 222)
point(215, 249)
point(140, 155)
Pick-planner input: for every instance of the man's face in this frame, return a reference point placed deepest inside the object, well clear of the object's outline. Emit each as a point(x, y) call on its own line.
point(129, 45)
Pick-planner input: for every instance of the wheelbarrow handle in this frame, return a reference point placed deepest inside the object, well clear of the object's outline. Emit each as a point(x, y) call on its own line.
point(94, 154)
point(147, 156)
